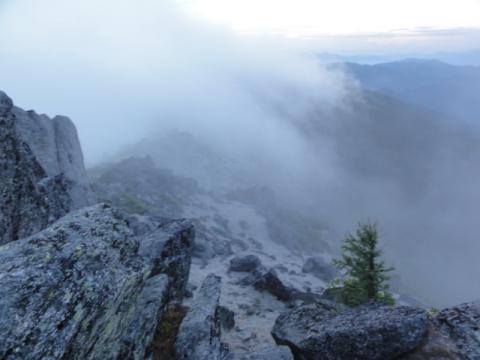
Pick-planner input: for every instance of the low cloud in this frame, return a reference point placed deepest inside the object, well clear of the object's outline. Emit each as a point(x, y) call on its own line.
point(121, 71)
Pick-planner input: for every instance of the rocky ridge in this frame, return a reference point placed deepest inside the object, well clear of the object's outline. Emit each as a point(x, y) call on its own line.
point(98, 282)
point(199, 334)
point(369, 332)
point(42, 174)
point(262, 279)
point(80, 289)
point(92, 283)
point(454, 333)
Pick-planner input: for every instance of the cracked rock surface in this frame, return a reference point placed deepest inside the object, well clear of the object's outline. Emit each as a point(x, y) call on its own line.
point(42, 176)
point(80, 289)
point(367, 332)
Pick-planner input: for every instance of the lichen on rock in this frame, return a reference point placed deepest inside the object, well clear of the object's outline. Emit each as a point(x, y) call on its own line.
point(80, 289)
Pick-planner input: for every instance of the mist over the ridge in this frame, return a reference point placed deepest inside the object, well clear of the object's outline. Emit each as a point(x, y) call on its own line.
point(121, 71)
point(125, 73)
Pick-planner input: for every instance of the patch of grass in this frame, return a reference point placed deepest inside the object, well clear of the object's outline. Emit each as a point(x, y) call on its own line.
point(133, 204)
point(163, 346)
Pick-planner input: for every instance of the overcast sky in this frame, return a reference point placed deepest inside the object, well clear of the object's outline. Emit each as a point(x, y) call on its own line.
point(317, 17)
point(352, 25)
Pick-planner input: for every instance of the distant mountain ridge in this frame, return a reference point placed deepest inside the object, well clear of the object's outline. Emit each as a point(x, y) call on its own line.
point(433, 84)
point(470, 57)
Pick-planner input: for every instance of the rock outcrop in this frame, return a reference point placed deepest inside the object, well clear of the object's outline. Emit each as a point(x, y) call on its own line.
point(42, 176)
point(227, 318)
point(81, 289)
point(199, 334)
point(247, 263)
point(454, 333)
point(268, 281)
point(168, 250)
point(435, 346)
point(462, 324)
point(369, 332)
point(316, 266)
